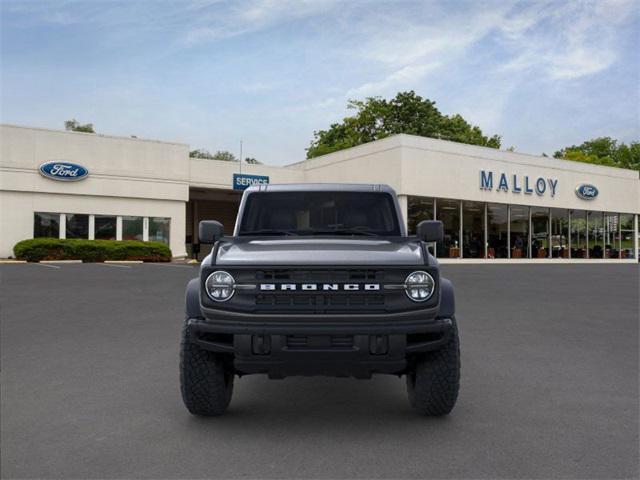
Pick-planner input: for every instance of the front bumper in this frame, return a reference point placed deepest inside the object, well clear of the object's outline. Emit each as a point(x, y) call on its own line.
point(332, 346)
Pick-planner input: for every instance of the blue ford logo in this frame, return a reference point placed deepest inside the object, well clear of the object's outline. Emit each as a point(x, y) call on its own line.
point(586, 191)
point(64, 171)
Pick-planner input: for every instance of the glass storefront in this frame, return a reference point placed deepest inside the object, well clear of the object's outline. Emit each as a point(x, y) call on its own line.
point(578, 234)
point(611, 235)
point(626, 236)
point(540, 247)
point(473, 241)
point(421, 209)
point(519, 232)
point(490, 230)
point(448, 212)
point(46, 225)
point(132, 228)
point(559, 233)
point(497, 230)
point(77, 226)
point(105, 227)
point(159, 229)
point(595, 226)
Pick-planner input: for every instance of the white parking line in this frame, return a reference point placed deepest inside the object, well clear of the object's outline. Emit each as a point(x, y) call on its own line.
point(46, 265)
point(112, 265)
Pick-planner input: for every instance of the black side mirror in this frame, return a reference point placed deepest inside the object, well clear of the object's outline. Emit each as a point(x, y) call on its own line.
point(210, 231)
point(430, 231)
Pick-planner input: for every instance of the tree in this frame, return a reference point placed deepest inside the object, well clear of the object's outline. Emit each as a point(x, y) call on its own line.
point(219, 155)
point(377, 118)
point(75, 126)
point(604, 151)
point(252, 161)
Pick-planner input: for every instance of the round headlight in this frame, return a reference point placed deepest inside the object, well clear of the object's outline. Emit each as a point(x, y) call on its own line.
point(220, 286)
point(419, 286)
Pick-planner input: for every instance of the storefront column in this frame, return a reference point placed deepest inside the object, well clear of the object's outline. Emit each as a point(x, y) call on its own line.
point(92, 227)
point(145, 229)
point(403, 200)
point(63, 225)
point(635, 237)
point(118, 228)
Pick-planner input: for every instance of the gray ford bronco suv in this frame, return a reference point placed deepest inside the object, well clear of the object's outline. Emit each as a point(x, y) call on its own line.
point(319, 279)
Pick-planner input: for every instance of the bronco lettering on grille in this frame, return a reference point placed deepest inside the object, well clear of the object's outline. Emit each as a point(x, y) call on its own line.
point(319, 286)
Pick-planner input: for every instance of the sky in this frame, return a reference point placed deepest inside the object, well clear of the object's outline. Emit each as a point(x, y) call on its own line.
point(542, 74)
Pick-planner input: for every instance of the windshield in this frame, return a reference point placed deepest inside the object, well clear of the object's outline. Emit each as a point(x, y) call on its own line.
point(320, 213)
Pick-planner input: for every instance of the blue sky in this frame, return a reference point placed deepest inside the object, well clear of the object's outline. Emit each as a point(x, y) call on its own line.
point(542, 74)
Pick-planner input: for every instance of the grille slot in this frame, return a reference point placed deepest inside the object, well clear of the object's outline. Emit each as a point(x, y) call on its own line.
point(319, 341)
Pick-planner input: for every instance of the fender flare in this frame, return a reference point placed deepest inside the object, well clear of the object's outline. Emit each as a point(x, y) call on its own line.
point(192, 299)
point(447, 299)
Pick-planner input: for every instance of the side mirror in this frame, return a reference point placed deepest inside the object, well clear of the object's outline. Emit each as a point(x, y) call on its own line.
point(210, 231)
point(430, 231)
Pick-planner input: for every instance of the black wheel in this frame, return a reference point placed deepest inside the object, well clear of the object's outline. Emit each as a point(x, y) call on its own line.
point(206, 385)
point(434, 382)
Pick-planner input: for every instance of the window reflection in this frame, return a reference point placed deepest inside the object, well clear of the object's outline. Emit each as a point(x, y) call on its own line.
point(539, 232)
point(519, 231)
point(578, 234)
point(46, 225)
point(596, 235)
point(105, 227)
point(611, 235)
point(159, 229)
point(448, 212)
point(132, 228)
point(473, 229)
point(497, 228)
point(418, 209)
point(559, 233)
point(626, 236)
point(77, 226)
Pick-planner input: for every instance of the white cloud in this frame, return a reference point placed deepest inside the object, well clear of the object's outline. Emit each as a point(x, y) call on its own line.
point(405, 77)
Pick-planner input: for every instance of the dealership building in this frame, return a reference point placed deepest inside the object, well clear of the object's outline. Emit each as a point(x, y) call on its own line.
point(496, 206)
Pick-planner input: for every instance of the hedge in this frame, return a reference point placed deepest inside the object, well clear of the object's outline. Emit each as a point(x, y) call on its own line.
point(36, 249)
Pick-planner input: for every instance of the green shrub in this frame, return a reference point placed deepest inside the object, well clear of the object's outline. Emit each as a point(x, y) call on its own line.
point(37, 249)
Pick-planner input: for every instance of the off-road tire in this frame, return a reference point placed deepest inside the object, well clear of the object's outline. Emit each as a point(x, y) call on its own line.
point(206, 385)
point(434, 382)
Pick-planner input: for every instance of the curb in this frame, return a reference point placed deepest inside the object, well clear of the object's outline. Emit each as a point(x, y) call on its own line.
point(60, 261)
point(8, 262)
point(123, 261)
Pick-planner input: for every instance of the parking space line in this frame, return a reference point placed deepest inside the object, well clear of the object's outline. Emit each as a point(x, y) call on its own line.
point(113, 265)
point(46, 265)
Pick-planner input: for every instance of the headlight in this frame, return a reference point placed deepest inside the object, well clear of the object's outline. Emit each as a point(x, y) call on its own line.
point(220, 286)
point(419, 286)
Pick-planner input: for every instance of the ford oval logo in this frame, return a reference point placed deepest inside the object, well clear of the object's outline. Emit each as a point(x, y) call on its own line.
point(64, 171)
point(586, 191)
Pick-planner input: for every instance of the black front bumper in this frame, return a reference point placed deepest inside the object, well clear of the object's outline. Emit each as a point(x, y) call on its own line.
point(345, 345)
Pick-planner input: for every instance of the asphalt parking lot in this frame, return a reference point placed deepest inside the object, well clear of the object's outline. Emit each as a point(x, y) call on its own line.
point(89, 381)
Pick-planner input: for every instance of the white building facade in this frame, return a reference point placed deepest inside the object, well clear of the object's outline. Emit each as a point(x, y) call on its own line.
point(496, 206)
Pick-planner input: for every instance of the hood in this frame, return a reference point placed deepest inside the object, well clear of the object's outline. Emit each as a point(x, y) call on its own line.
point(319, 251)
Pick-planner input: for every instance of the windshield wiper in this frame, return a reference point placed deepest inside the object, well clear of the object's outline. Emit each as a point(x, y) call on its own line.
point(268, 231)
point(346, 231)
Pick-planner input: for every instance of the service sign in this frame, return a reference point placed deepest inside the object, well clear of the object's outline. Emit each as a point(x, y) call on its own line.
point(586, 191)
point(242, 181)
point(63, 171)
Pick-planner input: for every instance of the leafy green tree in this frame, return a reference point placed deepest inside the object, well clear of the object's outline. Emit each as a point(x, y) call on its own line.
point(604, 151)
point(75, 126)
point(219, 155)
point(377, 118)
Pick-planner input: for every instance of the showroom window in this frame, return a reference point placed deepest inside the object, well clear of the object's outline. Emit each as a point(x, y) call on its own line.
point(626, 236)
point(132, 228)
point(418, 209)
point(559, 233)
point(159, 229)
point(611, 232)
point(595, 236)
point(473, 241)
point(539, 232)
point(497, 231)
point(46, 225)
point(105, 227)
point(77, 226)
point(519, 231)
point(448, 212)
point(578, 234)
